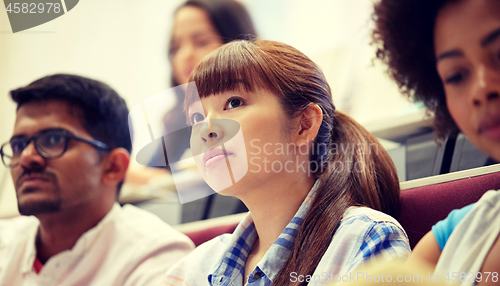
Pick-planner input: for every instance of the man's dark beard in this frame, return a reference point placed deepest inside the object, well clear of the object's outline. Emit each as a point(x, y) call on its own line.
point(40, 207)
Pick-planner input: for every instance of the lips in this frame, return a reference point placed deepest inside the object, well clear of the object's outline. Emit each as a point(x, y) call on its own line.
point(32, 180)
point(214, 155)
point(490, 127)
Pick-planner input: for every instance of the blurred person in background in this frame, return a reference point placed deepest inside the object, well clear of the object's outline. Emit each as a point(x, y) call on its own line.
point(200, 26)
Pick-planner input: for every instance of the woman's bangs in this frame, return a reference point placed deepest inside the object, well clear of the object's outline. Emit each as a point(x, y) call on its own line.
point(233, 67)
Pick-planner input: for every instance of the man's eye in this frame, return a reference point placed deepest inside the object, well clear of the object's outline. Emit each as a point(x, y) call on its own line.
point(196, 118)
point(51, 140)
point(55, 139)
point(18, 146)
point(234, 102)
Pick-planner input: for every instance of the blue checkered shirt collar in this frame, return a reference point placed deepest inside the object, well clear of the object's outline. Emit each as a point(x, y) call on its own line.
point(232, 263)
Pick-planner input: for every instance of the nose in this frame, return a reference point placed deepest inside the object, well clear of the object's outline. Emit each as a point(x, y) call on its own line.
point(30, 158)
point(211, 132)
point(186, 52)
point(486, 86)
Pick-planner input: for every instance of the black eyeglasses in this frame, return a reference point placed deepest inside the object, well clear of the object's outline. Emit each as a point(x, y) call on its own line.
point(50, 144)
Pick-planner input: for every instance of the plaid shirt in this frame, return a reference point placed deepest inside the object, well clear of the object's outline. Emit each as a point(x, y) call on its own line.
point(362, 234)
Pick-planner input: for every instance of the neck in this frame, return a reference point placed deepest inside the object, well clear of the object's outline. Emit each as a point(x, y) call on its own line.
point(273, 207)
point(60, 231)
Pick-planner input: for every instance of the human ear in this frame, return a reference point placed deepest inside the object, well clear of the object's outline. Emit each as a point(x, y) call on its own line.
point(310, 121)
point(115, 166)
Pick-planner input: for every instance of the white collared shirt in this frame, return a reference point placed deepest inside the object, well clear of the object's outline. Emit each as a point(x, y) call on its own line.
point(129, 246)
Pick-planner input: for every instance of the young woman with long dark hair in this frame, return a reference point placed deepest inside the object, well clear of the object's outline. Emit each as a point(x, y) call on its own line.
point(319, 187)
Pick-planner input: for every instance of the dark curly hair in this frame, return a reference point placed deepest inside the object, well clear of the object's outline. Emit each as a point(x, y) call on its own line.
point(404, 37)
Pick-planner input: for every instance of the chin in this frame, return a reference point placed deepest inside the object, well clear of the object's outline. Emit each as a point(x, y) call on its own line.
point(32, 207)
point(488, 147)
point(495, 154)
point(218, 178)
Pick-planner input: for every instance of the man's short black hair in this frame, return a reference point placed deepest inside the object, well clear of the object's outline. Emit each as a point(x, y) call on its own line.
point(104, 114)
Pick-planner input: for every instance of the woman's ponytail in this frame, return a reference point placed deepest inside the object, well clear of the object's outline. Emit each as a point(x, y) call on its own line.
point(359, 172)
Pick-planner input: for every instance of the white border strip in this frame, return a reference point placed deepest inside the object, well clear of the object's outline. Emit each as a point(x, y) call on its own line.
point(64, 6)
point(450, 177)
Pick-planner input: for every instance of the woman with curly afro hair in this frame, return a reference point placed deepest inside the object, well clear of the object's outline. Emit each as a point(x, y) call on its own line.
point(446, 53)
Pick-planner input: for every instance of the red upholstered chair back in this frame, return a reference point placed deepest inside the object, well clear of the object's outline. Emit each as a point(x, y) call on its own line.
point(429, 200)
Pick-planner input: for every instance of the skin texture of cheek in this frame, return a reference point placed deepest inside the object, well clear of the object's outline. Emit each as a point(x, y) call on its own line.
point(237, 159)
point(80, 177)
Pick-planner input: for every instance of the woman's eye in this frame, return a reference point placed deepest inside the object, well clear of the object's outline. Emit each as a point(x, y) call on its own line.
point(201, 43)
point(455, 78)
point(196, 118)
point(174, 47)
point(234, 102)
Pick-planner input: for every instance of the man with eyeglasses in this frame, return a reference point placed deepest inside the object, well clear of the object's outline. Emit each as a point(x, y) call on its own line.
point(68, 157)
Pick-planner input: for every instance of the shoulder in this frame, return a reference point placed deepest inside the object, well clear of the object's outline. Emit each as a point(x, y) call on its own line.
point(142, 246)
point(443, 229)
point(147, 236)
point(206, 254)
point(13, 228)
point(195, 267)
point(482, 215)
point(367, 218)
point(374, 228)
point(472, 238)
point(364, 233)
point(490, 199)
point(483, 211)
point(146, 226)
point(19, 222)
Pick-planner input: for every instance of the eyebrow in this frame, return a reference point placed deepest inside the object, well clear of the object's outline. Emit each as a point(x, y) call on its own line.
point(22, 136)
point(450, 54)
point(17, 137)
point(490, 38)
